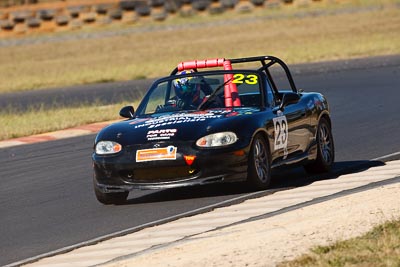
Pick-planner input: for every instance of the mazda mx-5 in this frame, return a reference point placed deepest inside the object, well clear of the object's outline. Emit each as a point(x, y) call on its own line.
point(212, 121)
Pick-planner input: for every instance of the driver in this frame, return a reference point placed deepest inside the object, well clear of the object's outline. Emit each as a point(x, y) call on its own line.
point(188, 92)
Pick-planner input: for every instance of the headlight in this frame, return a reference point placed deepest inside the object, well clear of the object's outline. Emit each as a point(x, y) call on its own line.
point(107, 147)
point(217, 139)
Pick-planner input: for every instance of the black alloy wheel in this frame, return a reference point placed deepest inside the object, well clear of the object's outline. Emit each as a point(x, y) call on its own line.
point(259, 165)
point(325, 149)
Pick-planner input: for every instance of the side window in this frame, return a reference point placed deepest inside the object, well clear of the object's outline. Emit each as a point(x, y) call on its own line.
point(270, 94)
point(280, 78)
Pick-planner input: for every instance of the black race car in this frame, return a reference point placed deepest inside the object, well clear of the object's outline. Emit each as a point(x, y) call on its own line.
point(207, 123)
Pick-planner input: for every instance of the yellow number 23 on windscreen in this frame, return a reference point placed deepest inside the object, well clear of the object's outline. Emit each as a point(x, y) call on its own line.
point(241, 78)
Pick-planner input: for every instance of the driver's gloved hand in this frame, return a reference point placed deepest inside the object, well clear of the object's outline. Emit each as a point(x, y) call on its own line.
point(159, 107)
point(180, 103)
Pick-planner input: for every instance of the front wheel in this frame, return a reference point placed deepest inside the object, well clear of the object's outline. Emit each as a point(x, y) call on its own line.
point(116, 198)
point(325, 149)
point(259, 164)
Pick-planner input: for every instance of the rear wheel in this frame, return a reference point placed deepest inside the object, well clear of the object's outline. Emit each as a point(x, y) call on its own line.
point(116, 198)
point(259, 165)
point(325, 149)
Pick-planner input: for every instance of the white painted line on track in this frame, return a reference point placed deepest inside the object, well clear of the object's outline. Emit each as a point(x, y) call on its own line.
point(395, 154)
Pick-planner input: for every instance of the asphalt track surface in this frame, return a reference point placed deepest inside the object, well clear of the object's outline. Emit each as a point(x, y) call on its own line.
point(46, 198)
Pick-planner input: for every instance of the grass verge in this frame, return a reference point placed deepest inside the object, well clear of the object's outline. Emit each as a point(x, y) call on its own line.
point(42, 120)
point(379, 247)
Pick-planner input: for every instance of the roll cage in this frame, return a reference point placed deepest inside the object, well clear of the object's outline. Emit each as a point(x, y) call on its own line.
point(266, 63)
point(230, 89)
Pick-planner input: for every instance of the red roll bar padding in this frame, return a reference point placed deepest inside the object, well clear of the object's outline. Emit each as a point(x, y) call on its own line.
point(227, 89)
point(196, 64)
point(230, 91)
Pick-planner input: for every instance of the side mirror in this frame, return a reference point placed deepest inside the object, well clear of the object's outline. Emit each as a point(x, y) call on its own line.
point(127, 112)
point(289, 98)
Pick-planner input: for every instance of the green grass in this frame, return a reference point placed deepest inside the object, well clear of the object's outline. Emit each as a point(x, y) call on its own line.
point(379, 247)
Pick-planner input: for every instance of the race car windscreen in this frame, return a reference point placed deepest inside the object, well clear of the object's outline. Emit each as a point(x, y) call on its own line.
point(199, 91)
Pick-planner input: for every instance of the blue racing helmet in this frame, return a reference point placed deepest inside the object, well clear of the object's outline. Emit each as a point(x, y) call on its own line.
point(183, 86)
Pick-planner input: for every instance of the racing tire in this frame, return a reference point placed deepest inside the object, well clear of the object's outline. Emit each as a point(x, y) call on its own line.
point(259, 164)
point(325, 149)
point(117, 198)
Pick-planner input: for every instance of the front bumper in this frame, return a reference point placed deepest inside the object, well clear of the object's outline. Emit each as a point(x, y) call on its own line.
point(122, 173)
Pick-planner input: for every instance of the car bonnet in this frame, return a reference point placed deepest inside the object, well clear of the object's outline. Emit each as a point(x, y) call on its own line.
point(182, 126)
